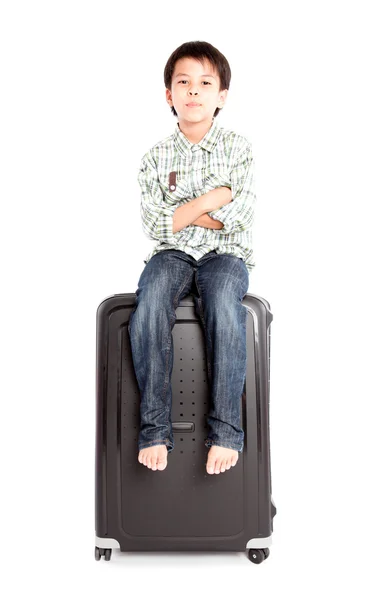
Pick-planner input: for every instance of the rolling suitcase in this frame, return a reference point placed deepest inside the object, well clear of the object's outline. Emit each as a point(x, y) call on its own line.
point(182, 507)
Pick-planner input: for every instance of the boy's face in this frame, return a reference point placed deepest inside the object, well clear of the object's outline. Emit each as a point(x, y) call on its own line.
point(197, 82)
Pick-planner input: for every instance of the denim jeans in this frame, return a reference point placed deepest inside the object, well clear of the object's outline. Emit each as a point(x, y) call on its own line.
point(218, 283)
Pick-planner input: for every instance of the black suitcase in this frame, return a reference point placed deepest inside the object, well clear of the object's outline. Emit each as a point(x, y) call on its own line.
point(181, 507)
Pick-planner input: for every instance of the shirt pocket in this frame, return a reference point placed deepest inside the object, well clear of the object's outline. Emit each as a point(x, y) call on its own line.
point(182, 191)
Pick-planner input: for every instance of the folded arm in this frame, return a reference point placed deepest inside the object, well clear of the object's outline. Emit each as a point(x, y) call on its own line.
point(238, 215)
point(162, 220)
point(207, 222)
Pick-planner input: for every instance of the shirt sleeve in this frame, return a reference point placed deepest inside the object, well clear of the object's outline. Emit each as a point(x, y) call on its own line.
point(238, 215)
point(156, 213)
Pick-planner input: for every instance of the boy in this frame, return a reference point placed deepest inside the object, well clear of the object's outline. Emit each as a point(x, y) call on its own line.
point(198, 200)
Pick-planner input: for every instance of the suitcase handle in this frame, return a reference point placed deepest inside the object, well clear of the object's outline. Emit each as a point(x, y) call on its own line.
point(182, 427)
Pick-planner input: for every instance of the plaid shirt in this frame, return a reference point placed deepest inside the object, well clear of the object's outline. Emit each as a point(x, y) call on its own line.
point(221, 158)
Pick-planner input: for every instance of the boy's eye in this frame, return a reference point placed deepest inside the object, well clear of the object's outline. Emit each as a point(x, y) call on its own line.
point(185, 80)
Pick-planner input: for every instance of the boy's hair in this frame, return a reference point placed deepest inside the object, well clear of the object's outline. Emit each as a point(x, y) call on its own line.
point(200, 51)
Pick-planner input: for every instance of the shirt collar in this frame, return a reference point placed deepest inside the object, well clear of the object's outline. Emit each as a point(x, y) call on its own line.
point(207, 143)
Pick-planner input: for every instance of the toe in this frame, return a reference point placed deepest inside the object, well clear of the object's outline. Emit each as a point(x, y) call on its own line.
point(217, 466)
point(162, 459)
point(211, 466)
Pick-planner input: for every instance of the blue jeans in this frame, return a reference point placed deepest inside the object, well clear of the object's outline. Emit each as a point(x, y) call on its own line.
point(221, 283)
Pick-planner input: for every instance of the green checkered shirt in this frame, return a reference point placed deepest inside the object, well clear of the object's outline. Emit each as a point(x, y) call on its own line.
point(221, 158)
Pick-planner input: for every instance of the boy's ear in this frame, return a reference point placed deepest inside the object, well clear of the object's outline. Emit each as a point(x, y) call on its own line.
point(169, 97)
point(222, 98)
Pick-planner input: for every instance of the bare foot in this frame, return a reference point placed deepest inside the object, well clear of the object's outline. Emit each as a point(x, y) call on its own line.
point(221, 459)
point(154, 458)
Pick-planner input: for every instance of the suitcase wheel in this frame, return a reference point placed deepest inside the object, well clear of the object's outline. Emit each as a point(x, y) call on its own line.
point(258, 556)
point(106, 552)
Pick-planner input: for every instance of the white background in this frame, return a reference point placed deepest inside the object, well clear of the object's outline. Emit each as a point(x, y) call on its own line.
point(82, 98)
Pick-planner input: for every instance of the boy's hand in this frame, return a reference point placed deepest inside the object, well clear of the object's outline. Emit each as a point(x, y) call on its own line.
point(216, 198)
point(218, 224)
point(207, 222)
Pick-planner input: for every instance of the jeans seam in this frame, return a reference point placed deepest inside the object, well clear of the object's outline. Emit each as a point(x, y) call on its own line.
point(230, 445)
point(171, 321)
point(154, 442)
point(202, 317)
